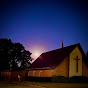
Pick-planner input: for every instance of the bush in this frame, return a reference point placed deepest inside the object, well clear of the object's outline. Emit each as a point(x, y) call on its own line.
point(60, 79)
point(74, 79)
point(2, 78)
point(79, 79)
point(39, 79)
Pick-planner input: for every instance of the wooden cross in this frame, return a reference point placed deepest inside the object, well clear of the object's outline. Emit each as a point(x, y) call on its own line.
point(77, 63)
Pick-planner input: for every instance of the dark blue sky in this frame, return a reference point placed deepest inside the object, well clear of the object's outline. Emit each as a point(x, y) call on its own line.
point(43, 24)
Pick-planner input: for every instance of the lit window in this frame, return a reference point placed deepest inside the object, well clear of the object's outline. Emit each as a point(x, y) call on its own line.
point(6, 73)
point(34, 73)
point(40, 73)
point(28, 73)
point(9, 73)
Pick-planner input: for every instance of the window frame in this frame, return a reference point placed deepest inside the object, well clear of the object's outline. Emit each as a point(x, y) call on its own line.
point(40, 73)
point(33, 73)
point(29, 73)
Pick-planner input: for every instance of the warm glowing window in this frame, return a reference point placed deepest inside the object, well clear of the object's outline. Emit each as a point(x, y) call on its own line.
point(40, 73)
point(34, 73)
point(28, 73)
point(6, 73)
point(9, 73)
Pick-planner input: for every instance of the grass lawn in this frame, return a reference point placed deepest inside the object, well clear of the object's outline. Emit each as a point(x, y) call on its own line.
point(27, 84)
point(16, 85)
point(59, 85)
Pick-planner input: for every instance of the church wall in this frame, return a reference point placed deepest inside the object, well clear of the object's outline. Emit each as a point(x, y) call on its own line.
point(6, 75)
point(85, 69)
point(73, 63)
point(14, 75)
point(44, 73)
point(62, 68)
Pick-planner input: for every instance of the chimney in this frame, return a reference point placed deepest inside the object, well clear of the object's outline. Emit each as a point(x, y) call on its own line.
point(62, 44)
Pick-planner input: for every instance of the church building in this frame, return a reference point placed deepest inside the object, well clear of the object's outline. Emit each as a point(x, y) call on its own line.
point(67, 61)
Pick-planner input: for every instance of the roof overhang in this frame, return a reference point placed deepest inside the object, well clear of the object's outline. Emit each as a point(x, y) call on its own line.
point(44, 68)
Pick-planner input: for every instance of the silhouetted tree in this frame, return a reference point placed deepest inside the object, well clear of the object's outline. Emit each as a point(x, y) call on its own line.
point(87, 54)
point(87, 57)
point(5, 49)
point(13, 55)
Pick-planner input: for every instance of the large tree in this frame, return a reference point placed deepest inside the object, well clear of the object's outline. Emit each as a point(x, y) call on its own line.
point(86, 58)
point(87, 54)
point(13, 55)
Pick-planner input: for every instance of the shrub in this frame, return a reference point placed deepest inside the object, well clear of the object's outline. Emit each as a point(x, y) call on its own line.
point(60, 79)
point(79, 79)
point(39, 79)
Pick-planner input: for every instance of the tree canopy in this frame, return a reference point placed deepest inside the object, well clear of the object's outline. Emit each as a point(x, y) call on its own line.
point(13, 55)
point(87, 54)
point(87, 57)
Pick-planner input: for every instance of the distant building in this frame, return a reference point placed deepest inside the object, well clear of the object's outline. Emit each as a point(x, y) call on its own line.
point(67, 61)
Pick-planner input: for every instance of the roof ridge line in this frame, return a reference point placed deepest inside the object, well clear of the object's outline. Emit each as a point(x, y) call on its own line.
point(61, 48)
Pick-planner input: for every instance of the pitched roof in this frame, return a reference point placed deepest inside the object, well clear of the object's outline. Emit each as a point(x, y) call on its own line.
point(53, 58)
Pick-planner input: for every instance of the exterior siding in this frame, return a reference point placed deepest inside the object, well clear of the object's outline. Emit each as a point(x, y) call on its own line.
point(85, 69)
point(13, 75)
point(62, 69)
point(45, 73)
point(6, 75)
point(73, 64)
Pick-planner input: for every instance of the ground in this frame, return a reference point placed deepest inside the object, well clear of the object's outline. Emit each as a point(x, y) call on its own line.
point(41, 85)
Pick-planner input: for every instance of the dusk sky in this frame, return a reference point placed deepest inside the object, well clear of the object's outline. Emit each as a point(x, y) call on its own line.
point(41, 25)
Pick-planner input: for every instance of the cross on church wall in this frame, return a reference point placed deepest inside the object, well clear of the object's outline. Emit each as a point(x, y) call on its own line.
point(77, 63)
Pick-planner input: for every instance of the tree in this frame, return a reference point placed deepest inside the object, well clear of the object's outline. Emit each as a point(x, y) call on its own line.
point(13, 55)
point(20, 57)
point(87, 54)
point(5, 47)
point(87, 57)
